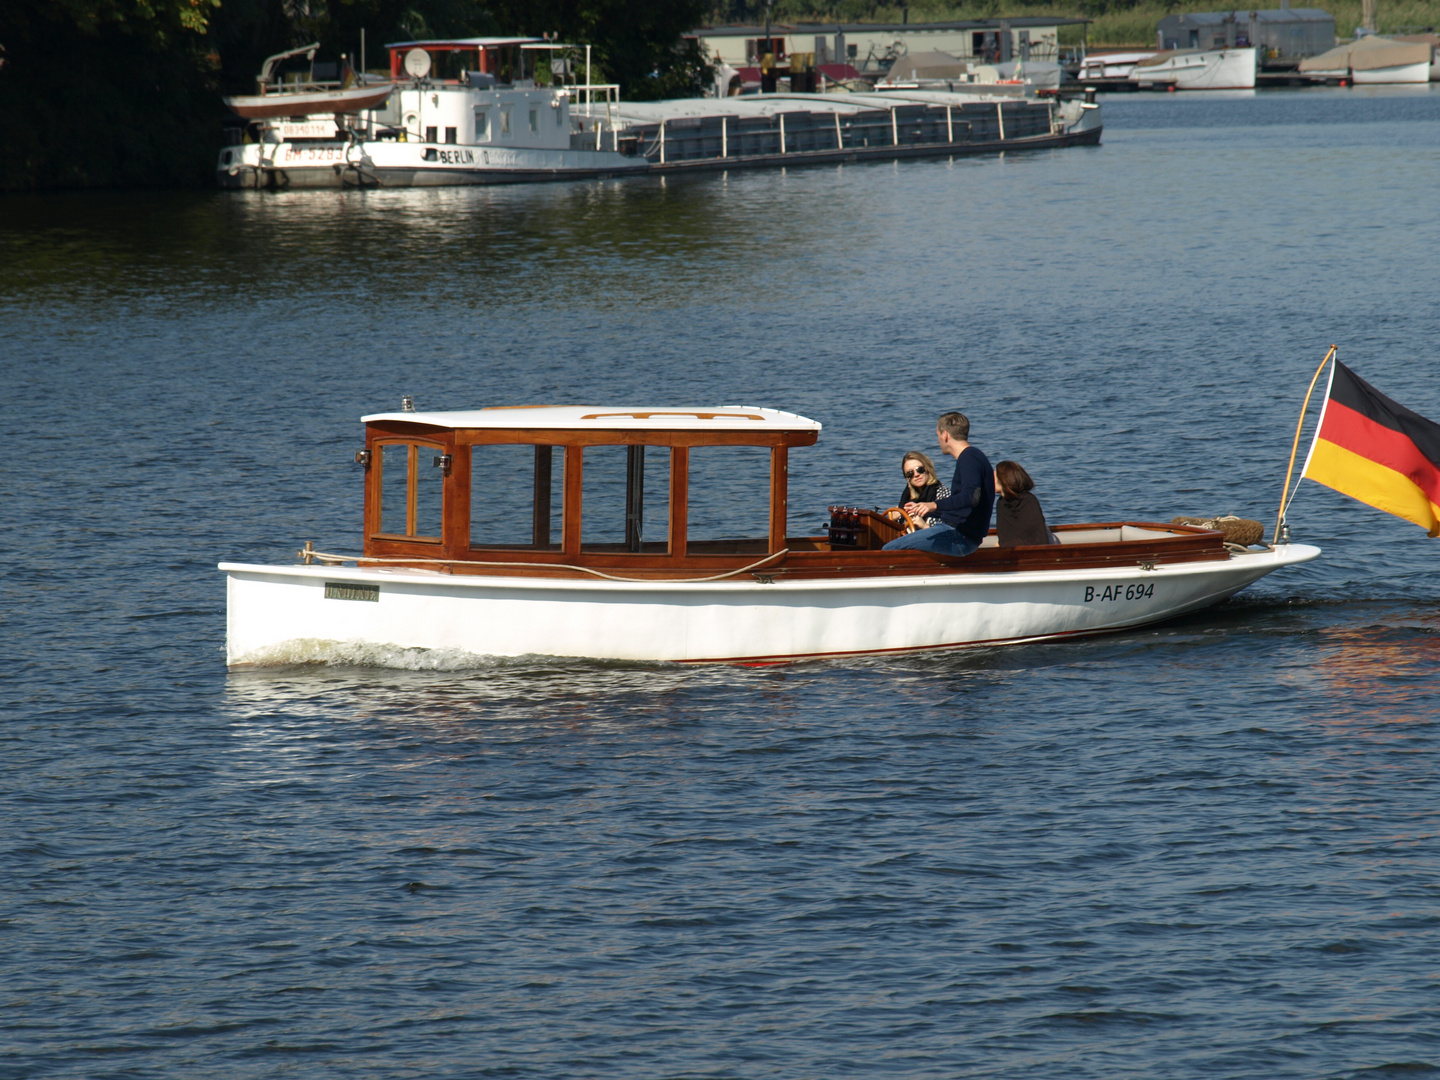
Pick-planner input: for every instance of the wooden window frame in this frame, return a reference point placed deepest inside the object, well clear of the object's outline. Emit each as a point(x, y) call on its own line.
point(455, 507)
point(412, 485)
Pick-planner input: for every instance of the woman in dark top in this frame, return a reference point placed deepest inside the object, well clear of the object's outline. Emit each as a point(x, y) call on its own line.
point(1018, 518)
point(921, 484)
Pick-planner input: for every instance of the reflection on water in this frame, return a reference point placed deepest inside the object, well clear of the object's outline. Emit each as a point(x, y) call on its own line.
point(1385, 666)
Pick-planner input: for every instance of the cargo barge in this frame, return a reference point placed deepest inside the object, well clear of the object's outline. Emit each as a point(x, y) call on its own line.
point(449, 119)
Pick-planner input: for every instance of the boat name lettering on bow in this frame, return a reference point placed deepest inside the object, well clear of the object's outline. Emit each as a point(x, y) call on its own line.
point(335, 590)
point(1118, 592)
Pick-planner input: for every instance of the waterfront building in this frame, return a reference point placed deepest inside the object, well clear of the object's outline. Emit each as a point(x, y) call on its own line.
point(1284, 36)
point(871, 48)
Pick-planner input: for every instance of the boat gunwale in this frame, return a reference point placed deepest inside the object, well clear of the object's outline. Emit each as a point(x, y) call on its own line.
point(931, 577)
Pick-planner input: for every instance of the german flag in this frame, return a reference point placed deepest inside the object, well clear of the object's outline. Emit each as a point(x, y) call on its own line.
point(1374, 450)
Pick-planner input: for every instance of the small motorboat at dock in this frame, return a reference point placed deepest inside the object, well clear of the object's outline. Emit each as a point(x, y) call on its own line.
point(662, 534)
point(1198, 69)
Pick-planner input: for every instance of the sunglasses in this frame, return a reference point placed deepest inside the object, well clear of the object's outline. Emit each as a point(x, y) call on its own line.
point(912, 473)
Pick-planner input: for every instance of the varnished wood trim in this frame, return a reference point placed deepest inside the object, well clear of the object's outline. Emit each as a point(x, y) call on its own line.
point(413, 487)
point(574, 479)
point(455, 507)
point(1183, 545)
point(779, 486)
point(679, 501)
point(544, 471)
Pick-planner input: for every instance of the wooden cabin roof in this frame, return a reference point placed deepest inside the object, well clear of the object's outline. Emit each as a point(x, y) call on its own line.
point(608, 418)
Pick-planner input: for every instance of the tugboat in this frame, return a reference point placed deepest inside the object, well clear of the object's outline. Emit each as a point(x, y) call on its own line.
point(662, 534)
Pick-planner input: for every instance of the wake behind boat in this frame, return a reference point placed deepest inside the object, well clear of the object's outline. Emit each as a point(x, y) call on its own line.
point(662, 534)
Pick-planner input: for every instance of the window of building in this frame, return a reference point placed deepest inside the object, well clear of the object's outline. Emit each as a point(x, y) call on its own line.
point(412, 489)
point(517, 496)
point(728, 510)
point(625, 499)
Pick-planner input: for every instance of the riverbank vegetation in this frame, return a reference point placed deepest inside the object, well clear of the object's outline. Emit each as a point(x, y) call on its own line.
point(123, 93)
point(126, 93)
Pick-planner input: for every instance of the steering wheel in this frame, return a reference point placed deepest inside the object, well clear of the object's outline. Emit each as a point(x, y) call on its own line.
point(896, 515)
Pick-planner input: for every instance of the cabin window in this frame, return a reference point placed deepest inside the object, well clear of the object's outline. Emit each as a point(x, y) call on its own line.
point(534, 120)
point(412, 488)
point(505, 120)
point(482, 125)
point(517, 496)
point(728, 511)
point(430, 134)
point(450, 135)
point(625, 499)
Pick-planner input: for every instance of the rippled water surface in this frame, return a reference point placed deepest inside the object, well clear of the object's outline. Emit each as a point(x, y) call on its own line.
point(1206, 849)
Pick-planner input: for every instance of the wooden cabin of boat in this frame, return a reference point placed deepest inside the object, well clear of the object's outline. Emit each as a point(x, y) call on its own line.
point(660, 493)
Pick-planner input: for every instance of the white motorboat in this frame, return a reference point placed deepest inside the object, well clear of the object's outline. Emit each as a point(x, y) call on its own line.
point(275, 98)
point(470, 112)
point(1372, 60)
point(660, 534)
point(1199, 69)
point(1112, 65)
point(308, 102)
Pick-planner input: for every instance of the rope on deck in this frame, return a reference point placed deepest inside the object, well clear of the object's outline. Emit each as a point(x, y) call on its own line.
point(310, 554)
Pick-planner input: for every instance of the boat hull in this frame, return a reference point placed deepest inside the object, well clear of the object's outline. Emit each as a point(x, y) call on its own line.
point(409, 164)
point(304, 613)
point(319, 102)
point(386, 164)
point(1213, 69)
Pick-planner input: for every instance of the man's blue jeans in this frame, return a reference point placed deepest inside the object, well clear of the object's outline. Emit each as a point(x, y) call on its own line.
point(938, 538)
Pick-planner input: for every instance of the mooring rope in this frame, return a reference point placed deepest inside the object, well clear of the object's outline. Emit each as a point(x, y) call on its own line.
point(310, 554)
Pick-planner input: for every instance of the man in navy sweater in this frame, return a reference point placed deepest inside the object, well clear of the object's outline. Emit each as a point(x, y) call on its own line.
point(965, 512)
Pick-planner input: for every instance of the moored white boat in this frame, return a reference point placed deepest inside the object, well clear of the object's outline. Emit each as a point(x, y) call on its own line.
point(1112, 65)
point(527, 535)
point(1199, 69)
point(471, 112)
point(308, 102)
point(1372, 60)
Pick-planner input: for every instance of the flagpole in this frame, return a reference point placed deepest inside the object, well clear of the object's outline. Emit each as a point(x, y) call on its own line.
point(1295, 447)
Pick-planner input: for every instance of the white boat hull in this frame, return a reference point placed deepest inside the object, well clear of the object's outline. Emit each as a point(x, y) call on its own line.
point(282, 614)
point(1210, 69)
point(1418, 72)
point(409, 164)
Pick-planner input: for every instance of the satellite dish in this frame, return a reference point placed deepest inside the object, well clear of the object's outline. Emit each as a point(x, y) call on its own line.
point(417, 63)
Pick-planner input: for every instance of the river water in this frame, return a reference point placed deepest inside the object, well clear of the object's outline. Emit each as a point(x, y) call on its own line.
point(1205, 849)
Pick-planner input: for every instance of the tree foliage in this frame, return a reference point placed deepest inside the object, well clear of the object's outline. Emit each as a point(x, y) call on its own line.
point(127, 92)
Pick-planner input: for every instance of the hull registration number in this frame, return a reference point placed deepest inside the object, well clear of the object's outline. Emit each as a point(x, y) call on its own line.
point(1118, 592)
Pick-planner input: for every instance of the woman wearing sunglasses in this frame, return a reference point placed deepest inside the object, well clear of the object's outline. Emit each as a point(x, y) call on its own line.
point(921, 485)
